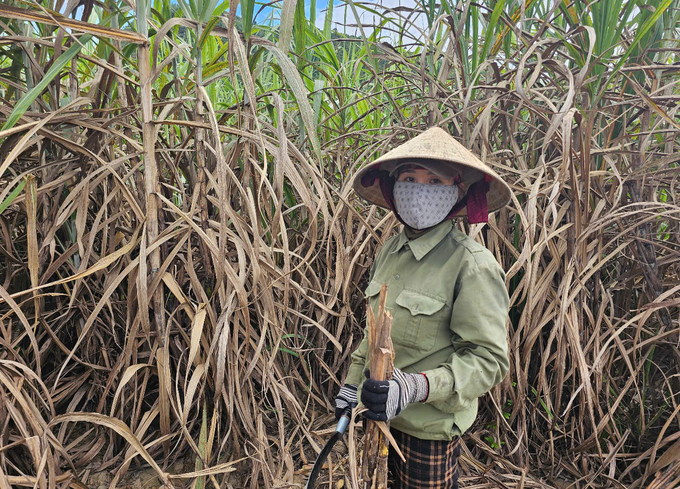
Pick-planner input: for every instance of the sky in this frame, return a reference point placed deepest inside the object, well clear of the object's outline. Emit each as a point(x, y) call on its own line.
point(342, 11)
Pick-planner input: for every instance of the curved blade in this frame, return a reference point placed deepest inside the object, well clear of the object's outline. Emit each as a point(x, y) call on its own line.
point(321, 459)
point(339, 430)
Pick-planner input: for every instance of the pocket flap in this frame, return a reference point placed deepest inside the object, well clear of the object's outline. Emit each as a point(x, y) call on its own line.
point(372, 289)
point(418, 303)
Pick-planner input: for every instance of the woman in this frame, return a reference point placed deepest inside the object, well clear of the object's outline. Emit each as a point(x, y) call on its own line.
point(447, 297)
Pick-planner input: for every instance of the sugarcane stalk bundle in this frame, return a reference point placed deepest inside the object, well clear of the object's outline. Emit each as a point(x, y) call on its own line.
point(381, 364)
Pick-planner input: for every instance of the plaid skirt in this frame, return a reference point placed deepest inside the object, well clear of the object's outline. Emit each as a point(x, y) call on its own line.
point(429, 463)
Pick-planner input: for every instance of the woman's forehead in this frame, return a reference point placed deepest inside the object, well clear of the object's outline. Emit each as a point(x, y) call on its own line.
point(431, 167)
point(414, 169)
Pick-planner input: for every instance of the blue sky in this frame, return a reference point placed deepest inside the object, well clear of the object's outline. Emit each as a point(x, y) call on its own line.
point(321, 5)
point(339, 9)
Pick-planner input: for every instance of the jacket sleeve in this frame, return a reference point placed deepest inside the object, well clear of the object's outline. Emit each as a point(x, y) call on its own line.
point(480, 358)
point(355, 373)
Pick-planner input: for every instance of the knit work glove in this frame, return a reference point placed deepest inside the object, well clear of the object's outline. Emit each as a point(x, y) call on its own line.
point(345, 401)
point(387, 398)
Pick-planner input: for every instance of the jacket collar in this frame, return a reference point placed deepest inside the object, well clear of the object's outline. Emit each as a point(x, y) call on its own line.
point(426, 242)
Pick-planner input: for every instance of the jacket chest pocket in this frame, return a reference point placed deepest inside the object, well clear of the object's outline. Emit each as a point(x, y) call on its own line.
point(418, 319)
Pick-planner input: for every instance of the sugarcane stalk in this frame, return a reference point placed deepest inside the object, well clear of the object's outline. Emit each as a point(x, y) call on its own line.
point(152, 190)
point(381, 363)
point(199, 116)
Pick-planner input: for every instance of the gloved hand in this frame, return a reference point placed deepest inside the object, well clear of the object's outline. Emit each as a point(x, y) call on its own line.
point(345, 401)
point(387, 398)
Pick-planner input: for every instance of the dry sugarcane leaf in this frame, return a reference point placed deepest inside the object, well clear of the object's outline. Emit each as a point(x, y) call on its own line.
point(120, 428)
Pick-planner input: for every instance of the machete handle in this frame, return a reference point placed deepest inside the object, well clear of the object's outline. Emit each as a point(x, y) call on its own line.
point(343, 423)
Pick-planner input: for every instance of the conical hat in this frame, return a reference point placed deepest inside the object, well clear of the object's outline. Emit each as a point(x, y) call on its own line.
point(436, 145)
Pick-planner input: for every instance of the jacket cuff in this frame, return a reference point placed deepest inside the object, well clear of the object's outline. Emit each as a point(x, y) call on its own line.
point(355, 374)
point(440, 383)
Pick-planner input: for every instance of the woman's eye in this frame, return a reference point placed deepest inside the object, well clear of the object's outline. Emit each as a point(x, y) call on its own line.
point(435, 181)
point(409, 179)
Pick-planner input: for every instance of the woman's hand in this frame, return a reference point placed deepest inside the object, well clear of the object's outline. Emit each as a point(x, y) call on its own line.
point(345, 401)
point(387, 398)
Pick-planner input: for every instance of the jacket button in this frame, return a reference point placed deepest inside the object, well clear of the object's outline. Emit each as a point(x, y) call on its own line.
point(396, 277)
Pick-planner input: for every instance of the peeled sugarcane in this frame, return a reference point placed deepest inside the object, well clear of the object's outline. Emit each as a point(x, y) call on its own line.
point(381, 362)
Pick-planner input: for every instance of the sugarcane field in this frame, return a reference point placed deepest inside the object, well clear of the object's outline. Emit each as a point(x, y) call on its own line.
point(340, 244)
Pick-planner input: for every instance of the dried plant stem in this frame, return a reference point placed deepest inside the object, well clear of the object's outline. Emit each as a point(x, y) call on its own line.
point(201, 152)
point(106, 305)
point(152, 190)
point(667, 478)
point(381, 361)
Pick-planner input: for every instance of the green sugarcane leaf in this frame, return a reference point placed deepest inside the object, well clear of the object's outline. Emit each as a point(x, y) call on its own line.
point(25, 102)
point(247, 12)
point(13, 195)
point(186, 10)
point(209, 9)
point(328, 21)
point(363, 36)
point(300, 92)
point(651, 20)
point(491, 27)
point(300, 31)
point(206, 32)
point(194, 9)
point(219, 10)
point(318, 95)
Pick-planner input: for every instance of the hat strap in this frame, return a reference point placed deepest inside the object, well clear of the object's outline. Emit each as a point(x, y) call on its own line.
point(477, 206)
point(475, 200)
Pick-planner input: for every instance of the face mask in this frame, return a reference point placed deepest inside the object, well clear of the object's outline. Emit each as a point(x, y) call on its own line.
point(421, 205)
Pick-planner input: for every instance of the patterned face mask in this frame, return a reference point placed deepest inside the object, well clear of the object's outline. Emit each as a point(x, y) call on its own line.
point(422, 205)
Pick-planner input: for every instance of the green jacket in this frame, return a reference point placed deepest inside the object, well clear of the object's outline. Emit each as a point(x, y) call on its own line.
point(447, 297)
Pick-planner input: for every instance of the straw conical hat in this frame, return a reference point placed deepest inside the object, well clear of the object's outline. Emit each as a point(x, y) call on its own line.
point(437, 146)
